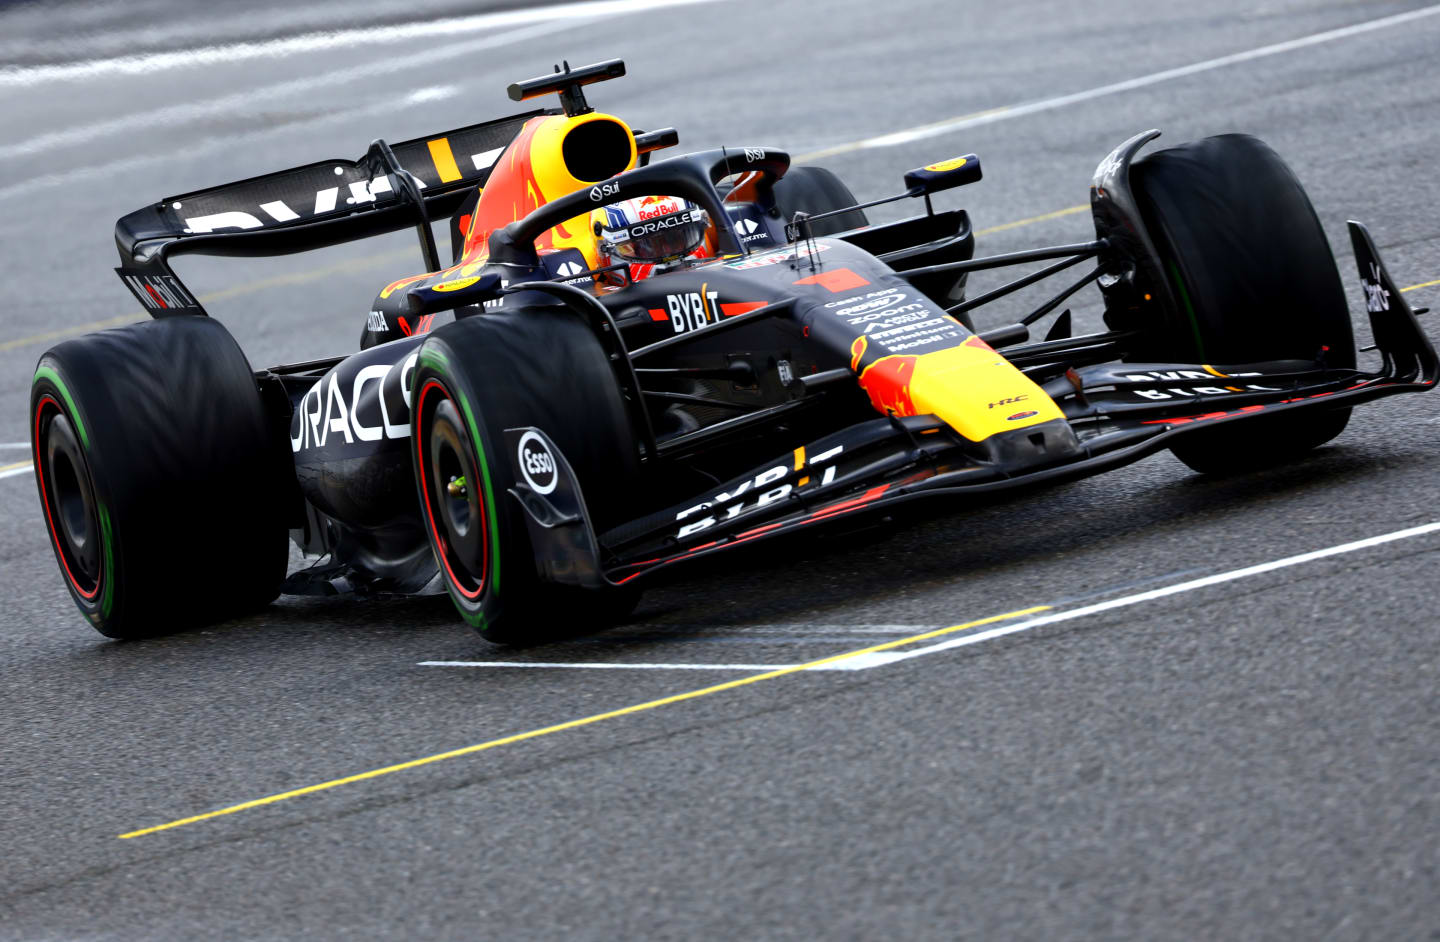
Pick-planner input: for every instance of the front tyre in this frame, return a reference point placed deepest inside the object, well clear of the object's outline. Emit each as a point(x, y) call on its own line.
point(540, 368)
point(816, 190)
point(1254, 280)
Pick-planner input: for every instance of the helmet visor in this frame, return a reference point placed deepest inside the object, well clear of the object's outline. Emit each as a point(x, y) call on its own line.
point(659, 239)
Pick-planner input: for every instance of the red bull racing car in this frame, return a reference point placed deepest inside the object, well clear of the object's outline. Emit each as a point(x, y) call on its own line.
point(632, 362)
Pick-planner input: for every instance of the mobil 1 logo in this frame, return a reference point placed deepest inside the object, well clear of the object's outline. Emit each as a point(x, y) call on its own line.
point(161, 294)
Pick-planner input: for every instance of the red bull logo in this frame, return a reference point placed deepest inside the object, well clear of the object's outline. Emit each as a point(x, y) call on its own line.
point(662, 204)
point(887, 383)
point(960, 385)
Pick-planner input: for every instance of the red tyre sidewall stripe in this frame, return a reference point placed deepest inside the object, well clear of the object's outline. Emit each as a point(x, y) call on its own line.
point(420, 445)
point(47, 399)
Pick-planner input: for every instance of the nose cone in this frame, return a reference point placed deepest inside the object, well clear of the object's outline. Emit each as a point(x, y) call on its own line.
point(973, 389)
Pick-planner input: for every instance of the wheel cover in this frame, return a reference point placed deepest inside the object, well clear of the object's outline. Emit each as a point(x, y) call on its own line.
point(68, 496)
point(458, 524)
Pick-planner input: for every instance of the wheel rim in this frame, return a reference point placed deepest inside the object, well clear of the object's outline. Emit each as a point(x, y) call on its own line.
point(71, 510)
point(456, 516)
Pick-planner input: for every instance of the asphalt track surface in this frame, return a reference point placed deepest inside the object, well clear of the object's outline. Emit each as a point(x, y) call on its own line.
point(1250, 756)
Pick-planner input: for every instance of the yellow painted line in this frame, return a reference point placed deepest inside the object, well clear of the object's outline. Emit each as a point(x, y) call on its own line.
point(14, 467)
point(444, 159)
point(350, 266)
point(1426, 284)
point(1067, 211)
point(357, 265)
point(72, 331)
point(884, 140)
point(573, 724)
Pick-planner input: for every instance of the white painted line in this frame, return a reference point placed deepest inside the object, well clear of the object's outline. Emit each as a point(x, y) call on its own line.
point(708, 632)
point(10, 472)
point(610, 666)
point(866, 661)
point(245, 102)
point(722, 637)
point(433, 93)
point(1007, 112)
point(14, 444)
point(877, 659)
point(107, 171)
point(320, 42)
point(802, 629)
point(770, 634)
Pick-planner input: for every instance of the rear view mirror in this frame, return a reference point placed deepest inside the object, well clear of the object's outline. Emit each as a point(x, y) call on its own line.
point(945, 175)
point(457, 292)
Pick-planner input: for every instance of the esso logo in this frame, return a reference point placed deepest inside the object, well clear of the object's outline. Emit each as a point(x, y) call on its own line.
point(537, 464)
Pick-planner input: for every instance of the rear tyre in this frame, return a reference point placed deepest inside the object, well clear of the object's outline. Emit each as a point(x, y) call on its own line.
point(160, 477)
point(1253, 279)
point(815, 190)
point(540, 368)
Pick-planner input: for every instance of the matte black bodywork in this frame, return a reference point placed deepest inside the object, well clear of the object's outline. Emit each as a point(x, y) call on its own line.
point(739, 371)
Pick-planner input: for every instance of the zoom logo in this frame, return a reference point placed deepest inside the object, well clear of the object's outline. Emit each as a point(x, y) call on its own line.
point(537, 464)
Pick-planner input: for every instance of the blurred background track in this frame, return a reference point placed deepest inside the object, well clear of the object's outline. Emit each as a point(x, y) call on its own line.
point(1255, 759)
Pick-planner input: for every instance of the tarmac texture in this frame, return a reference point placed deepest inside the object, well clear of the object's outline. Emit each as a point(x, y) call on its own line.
point(1251, 757)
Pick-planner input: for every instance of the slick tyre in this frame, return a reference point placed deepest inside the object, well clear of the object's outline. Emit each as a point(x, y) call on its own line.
point(815, 190)
point(540, 368)
point(161, 480)
point(1253, 280)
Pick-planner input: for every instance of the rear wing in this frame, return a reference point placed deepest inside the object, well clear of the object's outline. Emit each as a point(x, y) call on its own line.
point(309, 207)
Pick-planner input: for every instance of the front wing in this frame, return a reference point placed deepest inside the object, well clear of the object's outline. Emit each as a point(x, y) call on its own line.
point(1115, 414)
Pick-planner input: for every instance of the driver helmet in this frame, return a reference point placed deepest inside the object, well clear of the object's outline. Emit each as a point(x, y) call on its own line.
point(650, 231)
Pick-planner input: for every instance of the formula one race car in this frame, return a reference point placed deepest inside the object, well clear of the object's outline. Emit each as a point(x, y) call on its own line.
point(648, 362)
